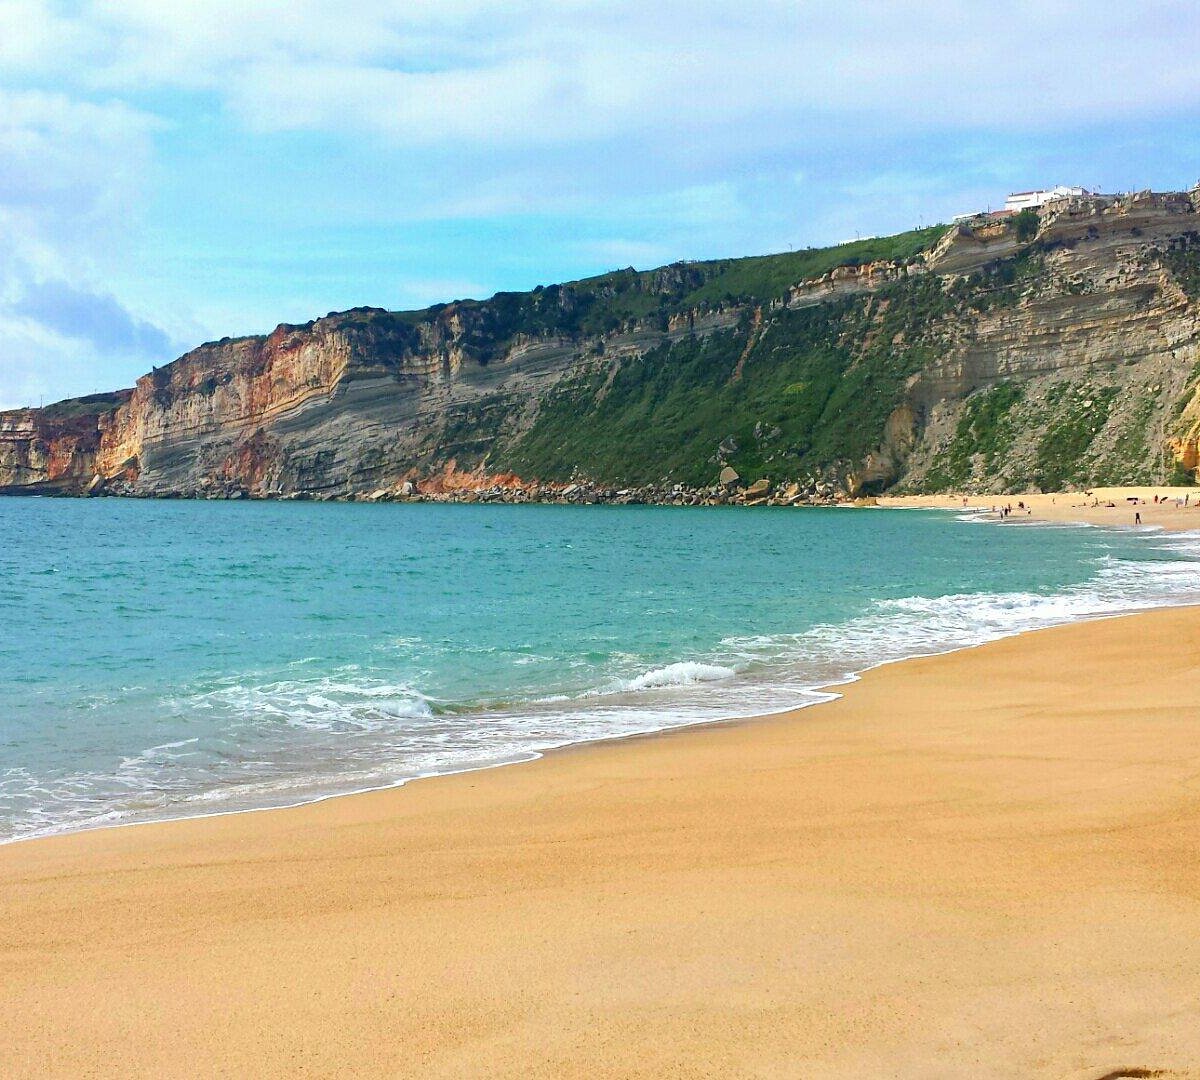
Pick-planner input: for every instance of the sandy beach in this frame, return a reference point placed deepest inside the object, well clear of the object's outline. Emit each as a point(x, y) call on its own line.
point(1092, 507)
point(975, 865)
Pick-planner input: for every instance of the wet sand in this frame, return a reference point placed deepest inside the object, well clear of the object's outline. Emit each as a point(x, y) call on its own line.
point(976, 865)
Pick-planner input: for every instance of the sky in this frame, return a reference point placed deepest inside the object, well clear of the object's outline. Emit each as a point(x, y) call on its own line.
point(174, 171)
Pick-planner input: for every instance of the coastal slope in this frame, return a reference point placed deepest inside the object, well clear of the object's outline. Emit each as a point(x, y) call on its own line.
point(1038, 351)
point(974, 865)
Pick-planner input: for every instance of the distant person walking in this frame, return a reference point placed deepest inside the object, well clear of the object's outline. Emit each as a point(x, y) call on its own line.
point(1137, 517)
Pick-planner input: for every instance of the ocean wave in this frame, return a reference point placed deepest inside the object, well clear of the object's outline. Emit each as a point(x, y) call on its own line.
point(271, 738)
point(901, 627)
point(982, 516)
point(682, 673)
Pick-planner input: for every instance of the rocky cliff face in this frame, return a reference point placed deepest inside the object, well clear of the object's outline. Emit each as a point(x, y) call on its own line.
point(1081, 374)
point(57, 448)
point(1001, 357)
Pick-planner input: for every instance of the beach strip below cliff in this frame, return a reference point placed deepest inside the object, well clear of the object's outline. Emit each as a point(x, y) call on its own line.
point(1169, 509)
point(977, 864)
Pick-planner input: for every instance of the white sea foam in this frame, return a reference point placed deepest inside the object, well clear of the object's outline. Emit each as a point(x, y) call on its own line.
point(325, 704)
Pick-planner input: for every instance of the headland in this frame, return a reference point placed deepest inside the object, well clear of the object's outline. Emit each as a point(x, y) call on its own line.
point(1033, 351)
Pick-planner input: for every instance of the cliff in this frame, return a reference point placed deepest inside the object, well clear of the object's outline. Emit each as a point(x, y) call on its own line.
point(1002, 354)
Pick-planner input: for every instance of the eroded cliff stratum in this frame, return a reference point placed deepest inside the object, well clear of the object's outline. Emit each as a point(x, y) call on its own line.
point(1051, 349)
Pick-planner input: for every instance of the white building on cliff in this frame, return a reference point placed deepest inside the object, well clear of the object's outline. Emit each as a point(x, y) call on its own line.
point(1027, 200)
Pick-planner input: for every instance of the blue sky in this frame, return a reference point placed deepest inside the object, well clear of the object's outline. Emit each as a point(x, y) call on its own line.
point(172, 172)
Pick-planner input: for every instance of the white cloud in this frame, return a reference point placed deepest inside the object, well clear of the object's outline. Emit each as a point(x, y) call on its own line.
point(70, 178)
point(36, 364)
point(70, 170)
point(607, 130)
point(545, 73)
point(540, 74)
point(35, 37)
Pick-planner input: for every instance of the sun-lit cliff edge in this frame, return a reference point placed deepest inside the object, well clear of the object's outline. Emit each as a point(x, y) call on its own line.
point(1002, 353)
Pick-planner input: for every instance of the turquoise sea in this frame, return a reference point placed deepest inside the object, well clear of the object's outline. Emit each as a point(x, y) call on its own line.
point(165, 659)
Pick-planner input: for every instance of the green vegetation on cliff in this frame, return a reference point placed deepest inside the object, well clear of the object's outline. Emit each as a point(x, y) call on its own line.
point(604, 304)
point(768, 277)
point(985, 429)
point(1062, 452)
point(92, 405)
point(806, 389)
point(1183, 260)
point(816, 391)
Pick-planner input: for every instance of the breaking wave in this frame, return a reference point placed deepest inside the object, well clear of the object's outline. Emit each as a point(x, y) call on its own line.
point(683, 673)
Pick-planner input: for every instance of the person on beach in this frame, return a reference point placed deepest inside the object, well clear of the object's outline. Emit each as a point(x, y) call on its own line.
point(1137, 517)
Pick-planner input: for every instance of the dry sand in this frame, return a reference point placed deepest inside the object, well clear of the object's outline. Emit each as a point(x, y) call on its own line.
point(1091, 507)
point(985, 864)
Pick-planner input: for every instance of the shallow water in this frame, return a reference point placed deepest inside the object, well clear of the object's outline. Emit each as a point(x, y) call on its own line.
point(164, 659)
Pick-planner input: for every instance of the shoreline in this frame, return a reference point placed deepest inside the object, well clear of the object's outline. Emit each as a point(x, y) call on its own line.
point(827, 696)
point(1109, 506)
point(824, 691)
point(618, 894)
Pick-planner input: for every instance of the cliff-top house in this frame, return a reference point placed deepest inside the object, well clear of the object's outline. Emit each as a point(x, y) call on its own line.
point(1026, 200)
